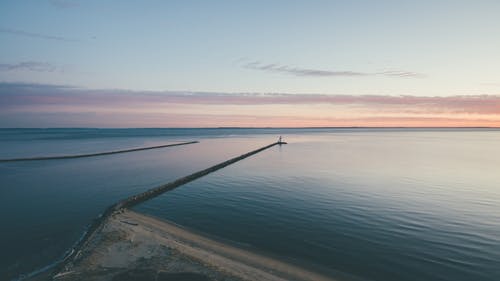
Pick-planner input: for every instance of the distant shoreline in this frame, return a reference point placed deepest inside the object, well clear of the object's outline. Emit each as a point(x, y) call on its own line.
point(236, 128)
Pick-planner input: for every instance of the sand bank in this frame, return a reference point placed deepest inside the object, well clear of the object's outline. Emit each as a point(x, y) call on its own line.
point(132, 246)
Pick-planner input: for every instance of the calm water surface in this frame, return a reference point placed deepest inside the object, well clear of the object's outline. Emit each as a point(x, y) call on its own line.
point(373, 204)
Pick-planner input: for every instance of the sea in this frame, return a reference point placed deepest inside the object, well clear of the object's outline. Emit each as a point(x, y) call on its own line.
point(353, 203)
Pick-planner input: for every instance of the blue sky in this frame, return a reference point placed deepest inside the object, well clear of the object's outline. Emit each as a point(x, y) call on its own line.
point(416, 48)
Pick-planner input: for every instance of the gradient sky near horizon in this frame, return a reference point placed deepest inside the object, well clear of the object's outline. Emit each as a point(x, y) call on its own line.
point(70, 63)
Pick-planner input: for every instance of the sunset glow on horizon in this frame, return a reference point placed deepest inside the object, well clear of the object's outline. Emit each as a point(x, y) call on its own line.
point(70, 63)
point(31, 105)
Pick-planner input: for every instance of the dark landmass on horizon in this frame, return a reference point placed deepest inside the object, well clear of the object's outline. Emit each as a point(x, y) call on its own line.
point(214, 128)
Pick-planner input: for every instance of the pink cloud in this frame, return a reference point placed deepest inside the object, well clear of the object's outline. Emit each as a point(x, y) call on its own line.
point(178, 109)
point(473, 104)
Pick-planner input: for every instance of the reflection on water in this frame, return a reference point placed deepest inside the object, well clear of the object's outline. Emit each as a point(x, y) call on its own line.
point(378, 204)
point(382, 206)
point(47, 205)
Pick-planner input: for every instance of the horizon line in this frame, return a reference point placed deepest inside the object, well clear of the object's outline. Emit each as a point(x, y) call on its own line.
point(232, 127)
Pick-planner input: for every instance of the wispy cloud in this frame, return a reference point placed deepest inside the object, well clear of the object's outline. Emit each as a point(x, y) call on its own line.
point(24, 33)
point(300, 71)
point(398, 73)
point(29, 66)
point(296, 71)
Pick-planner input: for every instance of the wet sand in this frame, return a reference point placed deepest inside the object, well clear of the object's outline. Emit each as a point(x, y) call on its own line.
point(133, 246)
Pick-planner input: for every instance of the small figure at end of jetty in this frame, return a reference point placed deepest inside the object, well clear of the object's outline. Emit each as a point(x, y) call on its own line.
point(280, 141)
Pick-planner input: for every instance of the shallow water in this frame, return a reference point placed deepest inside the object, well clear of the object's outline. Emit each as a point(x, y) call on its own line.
point(376, 204)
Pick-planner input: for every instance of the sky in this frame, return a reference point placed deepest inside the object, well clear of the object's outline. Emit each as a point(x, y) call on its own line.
point(70, 63)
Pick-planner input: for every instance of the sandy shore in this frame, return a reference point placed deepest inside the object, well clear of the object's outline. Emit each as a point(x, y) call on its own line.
point(132, 246)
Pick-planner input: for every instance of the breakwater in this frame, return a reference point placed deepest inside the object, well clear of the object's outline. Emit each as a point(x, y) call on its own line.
point(131, 201)
point(94, 154)
point(139, 198)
